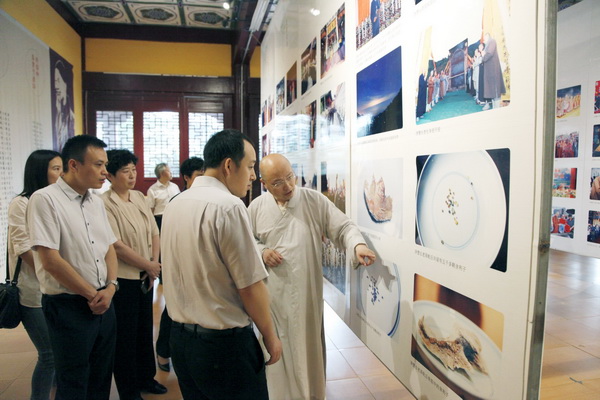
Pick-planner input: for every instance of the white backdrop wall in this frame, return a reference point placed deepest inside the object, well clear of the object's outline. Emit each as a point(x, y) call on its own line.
point(25, 110)
point(450, 201)
point(576, 213)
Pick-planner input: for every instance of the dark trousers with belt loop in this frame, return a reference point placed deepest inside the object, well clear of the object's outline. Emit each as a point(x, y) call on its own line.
point(218, 364)
point(83, 346)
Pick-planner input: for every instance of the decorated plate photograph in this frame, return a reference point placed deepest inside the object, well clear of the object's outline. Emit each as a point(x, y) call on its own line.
point(462, 205)
point(378, 299)
point(454, 347)
point(379, 196)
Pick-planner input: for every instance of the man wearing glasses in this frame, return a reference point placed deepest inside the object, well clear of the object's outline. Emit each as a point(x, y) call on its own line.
point(289, 223)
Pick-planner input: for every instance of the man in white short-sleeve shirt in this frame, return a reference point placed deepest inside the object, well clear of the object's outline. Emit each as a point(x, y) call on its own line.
point(77, 268)
point(213, 280)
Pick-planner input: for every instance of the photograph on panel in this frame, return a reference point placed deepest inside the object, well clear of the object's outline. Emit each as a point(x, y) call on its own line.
point(373, 17)
point(378, 291)
point(379, 95)
point(462, 206)
point(280, 96)
point(568, 102)
point(597, 98)
point(289, 134)
point(563, 4)
point(307, 176)
point(333, 186)
point(265, 146)
point(458, 339)
point(563, 222)
point(379, 195)
point(308, 66)
point(309, 125)
point(263, 114)
point(271, 107)
point(463, 67)
point(333, 41)
point(333, 178)
point(595, 184)
point(593, 230)
point(291, 79)
point(596, 141)
point(332, 116)
point(564, 182)
point(63, 115)
point(567, 145)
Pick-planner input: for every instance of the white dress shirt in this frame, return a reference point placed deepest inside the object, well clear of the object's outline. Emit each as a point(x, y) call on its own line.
point(208, 253)
point(61, 219)
point(159, 195)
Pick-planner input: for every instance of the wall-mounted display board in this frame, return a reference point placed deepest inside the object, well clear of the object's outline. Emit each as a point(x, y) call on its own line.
point(575, 221)
point(28, 89)
point(431, 124)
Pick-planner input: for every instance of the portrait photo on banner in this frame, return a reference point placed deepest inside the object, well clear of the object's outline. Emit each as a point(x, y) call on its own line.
point(63, 115)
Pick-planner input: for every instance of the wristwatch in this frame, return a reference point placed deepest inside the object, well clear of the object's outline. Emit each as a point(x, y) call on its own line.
point(115, 282)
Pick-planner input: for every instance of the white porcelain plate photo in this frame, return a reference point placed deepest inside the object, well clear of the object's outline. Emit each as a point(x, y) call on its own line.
point(461, 206)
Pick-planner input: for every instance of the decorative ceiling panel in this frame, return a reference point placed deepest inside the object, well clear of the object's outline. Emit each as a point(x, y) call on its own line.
point(100, 11)
point(155, 14)
point(192, 13)
point(206, 17)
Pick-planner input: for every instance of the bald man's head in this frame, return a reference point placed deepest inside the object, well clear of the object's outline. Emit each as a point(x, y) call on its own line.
point(278, 177)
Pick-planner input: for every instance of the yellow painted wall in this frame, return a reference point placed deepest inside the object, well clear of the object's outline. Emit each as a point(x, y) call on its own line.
point(44, 23)
point(142, 57)
point(255, 63)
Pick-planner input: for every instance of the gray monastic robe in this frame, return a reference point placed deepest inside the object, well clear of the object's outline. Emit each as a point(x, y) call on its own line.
point(296, 285)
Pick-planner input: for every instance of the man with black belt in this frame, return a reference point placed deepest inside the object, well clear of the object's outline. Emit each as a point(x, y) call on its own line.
point(77, 268)
point(213, 280)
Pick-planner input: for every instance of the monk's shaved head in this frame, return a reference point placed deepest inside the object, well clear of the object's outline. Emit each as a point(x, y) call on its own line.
point(273, 165)
point(277, 175)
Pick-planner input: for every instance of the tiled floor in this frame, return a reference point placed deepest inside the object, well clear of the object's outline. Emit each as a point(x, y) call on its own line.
point(571, 366)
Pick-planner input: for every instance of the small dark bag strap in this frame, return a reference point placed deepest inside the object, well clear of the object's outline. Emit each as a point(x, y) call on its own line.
point(17, 269)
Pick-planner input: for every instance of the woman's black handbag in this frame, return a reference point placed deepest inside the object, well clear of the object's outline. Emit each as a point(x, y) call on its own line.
point(10, 310)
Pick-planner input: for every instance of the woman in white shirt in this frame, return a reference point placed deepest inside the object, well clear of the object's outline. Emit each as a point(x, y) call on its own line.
point(43, 167)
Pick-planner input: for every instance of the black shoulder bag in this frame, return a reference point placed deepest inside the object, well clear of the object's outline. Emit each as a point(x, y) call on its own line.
point(10, 310)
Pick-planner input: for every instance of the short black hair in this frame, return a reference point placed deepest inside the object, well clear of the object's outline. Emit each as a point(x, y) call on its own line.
point(77, 146)
point(119, 158)
point(190, 165)
point(228, 143)
point(36, 171)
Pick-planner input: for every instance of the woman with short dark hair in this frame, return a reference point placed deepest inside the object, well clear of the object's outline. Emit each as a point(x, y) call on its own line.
point(137, 249)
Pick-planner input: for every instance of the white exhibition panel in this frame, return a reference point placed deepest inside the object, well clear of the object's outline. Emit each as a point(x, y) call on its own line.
point(449, 201)
point(25, 109)
point(576, 211)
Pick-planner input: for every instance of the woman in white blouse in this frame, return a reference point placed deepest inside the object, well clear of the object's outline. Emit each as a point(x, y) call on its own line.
point(43, 167)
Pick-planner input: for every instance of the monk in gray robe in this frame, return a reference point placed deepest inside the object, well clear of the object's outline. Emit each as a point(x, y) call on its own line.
point(289, 223)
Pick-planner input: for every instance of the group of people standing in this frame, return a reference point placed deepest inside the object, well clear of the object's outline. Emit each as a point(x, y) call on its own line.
point(89, 264)
point(485, 81)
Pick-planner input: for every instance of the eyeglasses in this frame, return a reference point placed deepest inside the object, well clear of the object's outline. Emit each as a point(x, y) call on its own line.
point(291, 179)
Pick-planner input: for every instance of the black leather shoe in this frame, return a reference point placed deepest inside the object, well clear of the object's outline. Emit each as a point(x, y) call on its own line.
point(154, 387)
point(164, 367)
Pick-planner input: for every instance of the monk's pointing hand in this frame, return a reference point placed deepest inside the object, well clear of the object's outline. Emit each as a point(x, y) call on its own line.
point(365, 255)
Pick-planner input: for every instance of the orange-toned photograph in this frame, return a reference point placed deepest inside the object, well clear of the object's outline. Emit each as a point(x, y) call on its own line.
point(458, 339)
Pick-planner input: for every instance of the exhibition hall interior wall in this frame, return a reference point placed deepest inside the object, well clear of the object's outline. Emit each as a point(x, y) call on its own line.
point(36, 106)
point(575, 211)
point(426, 122)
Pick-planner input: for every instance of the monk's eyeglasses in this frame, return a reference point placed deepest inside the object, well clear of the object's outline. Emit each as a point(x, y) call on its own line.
point(291, 179)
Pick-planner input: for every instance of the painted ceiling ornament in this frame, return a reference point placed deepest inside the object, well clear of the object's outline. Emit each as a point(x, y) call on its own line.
point(157, 14)
point(101, 11)
point(211, 18)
